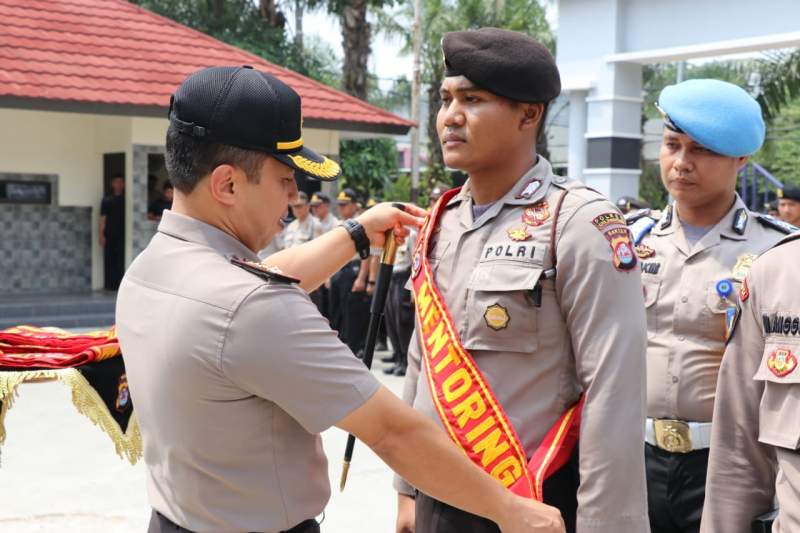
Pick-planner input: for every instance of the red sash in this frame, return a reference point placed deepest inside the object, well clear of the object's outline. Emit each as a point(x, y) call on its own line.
point(473, 417)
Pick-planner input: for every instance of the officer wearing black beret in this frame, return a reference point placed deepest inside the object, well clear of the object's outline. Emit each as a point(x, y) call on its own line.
point(789, 204)
point(520, 280)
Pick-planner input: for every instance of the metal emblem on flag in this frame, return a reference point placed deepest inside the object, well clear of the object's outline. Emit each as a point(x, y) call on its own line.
point(496, 317)
point(123, 394)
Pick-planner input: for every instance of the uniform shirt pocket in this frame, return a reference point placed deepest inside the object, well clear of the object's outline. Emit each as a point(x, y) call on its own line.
point(779, 416)
point(651, 287)
point(501, 310)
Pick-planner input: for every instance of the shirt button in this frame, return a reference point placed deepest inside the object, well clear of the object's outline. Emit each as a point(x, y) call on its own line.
point(685, 299)
point(674, 379)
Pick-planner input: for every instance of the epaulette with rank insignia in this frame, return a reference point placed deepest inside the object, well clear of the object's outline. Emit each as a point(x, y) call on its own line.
point(774, 223)
point(263, 272)
point(640, 223)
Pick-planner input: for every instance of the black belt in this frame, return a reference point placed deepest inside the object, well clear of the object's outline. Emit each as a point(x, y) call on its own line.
point(161, 524)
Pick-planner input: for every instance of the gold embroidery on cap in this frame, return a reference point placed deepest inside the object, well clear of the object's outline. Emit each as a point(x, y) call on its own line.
point(327, 169)
point(290, 145)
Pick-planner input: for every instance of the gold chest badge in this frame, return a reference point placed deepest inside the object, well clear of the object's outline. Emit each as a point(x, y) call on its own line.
point(496, 317)
point(519, 233)
point(782, 362)
point(644, 252)
point(742, 266)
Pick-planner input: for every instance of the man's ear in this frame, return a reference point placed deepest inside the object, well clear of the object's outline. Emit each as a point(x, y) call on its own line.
point(742, 161)
point(222, 183)
point(533, 114)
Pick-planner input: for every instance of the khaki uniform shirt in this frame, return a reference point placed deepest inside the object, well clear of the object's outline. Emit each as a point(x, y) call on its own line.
point(587, 335)
point(297, 233)
point(233, 378)
point(756, 432)
point(328, 223)
point(685, 313)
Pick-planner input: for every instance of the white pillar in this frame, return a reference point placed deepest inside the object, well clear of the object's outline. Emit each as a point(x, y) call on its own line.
point(576, 155)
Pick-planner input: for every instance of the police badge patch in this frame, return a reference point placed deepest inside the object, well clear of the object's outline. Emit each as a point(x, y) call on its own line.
point(536, 215)
point(782, 362)
point(615, 230)
point(496, 317)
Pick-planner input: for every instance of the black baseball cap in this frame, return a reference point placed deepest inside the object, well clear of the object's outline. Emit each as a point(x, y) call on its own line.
point(250, 109)
point(346, 196)
point(789, 193)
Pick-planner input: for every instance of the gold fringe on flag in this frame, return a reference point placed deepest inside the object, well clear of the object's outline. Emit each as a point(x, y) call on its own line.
point(87, 401)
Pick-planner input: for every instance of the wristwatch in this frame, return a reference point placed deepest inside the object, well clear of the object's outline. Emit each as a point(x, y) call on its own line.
point(359, 236)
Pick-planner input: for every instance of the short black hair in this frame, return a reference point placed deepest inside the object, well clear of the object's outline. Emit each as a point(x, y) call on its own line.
point(189, 159)
point(167, 185)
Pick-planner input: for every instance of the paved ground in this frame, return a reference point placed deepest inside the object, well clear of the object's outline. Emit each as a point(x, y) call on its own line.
point(59, 473)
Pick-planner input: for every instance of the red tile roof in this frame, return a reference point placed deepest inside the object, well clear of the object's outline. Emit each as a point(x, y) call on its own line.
point(112, 55)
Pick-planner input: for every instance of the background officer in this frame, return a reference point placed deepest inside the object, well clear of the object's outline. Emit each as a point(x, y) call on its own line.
point(321, 209)
point(216, 343)
point(693, 260)
point(755, 431)
point(789, 205)
point(349, 310)
point(304, 227)
point(539, 276)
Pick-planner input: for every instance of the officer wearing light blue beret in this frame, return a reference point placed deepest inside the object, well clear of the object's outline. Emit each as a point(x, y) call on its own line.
point(694, 259)
point(717, 114)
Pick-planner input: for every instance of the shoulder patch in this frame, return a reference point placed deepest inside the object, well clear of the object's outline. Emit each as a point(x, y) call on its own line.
point(612, 226)
point(263, 272)
point(776, 224)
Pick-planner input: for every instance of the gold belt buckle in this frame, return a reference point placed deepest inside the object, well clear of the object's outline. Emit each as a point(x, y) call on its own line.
point(673, 435)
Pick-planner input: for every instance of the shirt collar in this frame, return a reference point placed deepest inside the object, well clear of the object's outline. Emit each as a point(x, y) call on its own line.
point(190, 229)
point(528, 189)
point(670, 222)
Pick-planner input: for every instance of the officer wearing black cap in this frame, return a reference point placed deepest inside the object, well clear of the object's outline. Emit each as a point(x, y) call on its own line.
point(529, 274)
point(349, 301)
point(789, 205)
point(233, 371)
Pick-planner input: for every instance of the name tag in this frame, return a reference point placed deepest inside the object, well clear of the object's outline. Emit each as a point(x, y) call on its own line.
point(505, 251)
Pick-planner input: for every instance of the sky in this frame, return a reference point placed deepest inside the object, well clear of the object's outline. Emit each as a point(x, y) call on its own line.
point(386, 61)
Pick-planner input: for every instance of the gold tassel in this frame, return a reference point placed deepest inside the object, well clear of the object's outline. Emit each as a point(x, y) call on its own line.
point(86, 401)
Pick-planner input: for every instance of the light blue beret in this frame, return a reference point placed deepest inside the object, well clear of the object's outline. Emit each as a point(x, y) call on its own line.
point(719, 115)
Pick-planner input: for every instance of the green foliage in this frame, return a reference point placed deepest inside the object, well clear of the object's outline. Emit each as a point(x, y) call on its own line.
point(781, 151)
point(779, 82)
point(651, 188)
point(241, 24)
point(369, 165)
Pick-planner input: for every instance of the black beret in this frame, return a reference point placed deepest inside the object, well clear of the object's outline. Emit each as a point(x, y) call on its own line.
point(790, 193)
point(506, 63)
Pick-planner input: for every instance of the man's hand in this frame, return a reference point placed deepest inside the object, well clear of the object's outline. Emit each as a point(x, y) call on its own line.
point(530, 516)
point(359, 285)
point(385, 216)
point(406, 514)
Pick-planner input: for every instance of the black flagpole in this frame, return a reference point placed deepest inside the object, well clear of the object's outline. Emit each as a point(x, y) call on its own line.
point(375, 315)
